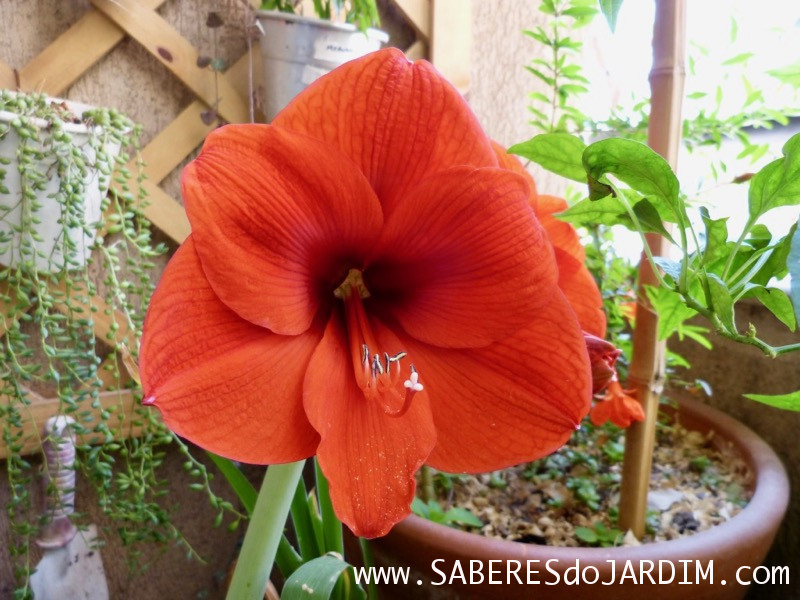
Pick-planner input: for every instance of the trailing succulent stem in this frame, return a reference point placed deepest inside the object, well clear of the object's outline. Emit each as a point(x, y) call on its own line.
point(91, 284)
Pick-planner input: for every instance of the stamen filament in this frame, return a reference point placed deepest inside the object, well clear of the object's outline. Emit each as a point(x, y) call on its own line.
point(373, 370)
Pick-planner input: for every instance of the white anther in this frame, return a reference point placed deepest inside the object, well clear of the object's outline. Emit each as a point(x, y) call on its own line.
point(412, 383)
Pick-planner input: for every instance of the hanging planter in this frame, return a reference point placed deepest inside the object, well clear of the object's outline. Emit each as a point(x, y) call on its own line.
point(296, 50)
point(56, 157)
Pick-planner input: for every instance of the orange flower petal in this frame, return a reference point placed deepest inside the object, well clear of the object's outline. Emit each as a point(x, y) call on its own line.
point(218, 380)
point(617, 407)
point(514, 401)
point(462, 261)
point(398, 121)
point(277, 219)
point(580, 288)
point(574, 278)
point(369, 457)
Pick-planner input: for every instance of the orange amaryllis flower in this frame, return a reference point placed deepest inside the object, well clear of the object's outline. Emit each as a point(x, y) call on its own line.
point(574, 278)
point(618, 407)
point(363, 283)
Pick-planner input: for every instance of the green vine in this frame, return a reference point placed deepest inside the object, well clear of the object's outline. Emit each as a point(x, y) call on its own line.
point(52, 287)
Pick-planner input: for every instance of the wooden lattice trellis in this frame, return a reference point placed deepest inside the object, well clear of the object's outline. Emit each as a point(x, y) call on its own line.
point(442, 30)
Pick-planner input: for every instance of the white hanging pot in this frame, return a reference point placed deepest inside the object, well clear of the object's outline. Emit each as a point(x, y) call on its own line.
point(49, 216)
point(296, 50)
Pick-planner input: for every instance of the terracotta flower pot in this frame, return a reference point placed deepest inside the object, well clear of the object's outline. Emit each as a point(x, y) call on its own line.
point(705, 559)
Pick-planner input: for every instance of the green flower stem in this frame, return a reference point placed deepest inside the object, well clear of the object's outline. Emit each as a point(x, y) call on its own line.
point(369, 562)
point(264, 532)
point(331, 526)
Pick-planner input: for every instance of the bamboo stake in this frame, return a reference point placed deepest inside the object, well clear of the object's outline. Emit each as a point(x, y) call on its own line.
point(647, 363)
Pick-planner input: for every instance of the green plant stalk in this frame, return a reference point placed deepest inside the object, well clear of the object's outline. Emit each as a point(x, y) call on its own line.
point(427, 493)
point(251, 576)
point(287, 559)
point(748, 226)
point(369, 562)
point(331, 526)
point(640, 230)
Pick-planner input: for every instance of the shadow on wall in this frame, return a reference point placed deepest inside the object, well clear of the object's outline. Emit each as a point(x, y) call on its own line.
point(732, 370)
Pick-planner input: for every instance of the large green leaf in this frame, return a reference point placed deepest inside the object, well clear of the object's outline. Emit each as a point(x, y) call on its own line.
point(317, 578)
point(560, 153)
point(611, 211)
point(778, 183)
point(784, 401)
point(610, 10)
point(638, 166)
point(778, 304)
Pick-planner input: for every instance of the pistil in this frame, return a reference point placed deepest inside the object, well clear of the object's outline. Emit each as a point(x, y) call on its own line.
point(377, 373)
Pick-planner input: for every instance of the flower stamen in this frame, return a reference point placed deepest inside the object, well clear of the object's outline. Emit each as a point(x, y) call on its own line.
point(377, 374)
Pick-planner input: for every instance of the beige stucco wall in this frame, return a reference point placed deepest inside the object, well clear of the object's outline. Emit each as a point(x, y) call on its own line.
point(500, 82)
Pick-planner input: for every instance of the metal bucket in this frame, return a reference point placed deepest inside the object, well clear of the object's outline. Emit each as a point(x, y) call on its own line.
point(297, 50)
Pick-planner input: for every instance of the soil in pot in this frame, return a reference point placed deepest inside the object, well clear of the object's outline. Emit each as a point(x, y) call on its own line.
point(570, 498)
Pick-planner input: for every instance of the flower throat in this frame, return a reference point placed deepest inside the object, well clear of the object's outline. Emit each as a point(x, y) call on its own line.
point(377, 372)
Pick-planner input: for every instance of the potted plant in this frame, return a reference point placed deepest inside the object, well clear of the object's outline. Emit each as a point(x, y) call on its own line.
point(296, 48)
point(733, 548)
point(76, 259)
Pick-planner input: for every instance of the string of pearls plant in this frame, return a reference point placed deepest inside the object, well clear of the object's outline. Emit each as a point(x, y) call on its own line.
point(73, 238)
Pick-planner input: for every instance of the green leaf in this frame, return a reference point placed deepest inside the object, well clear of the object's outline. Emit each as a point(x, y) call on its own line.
point(463, 516)
point(587, 535)
point(539, 35)
point(638, 166)
point(778, 183)
point(739, 58)
point(672, 310)
point(610, 9)
point(783, 401)
point(580, 12)
point(557, 152)
point(716, 238)
point(760, 236)
point(317, 579)
point(420, 508)
point(549, 81)
point(245, 491)
point(670, 267)
point(649, 217)
point(778, 304)
point(611, 211)
point(721, 301)
point(776, 264)
point(789, 74)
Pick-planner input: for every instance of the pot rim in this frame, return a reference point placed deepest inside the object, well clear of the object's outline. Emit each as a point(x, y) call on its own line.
point(78, 108)
point(770, 498)
point(276, 15)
